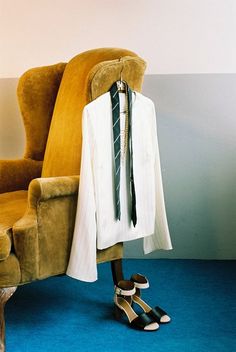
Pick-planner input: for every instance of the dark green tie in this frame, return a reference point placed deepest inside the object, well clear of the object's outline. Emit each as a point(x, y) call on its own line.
point(114, 92)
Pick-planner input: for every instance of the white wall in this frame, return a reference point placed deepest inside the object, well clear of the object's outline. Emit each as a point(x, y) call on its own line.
point(174, 36)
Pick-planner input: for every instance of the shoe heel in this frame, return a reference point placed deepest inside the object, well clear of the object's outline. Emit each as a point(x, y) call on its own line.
point(117, 313)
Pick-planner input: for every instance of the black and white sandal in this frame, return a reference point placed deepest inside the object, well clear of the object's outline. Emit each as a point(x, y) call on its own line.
point(124, 292)
point(157, 313)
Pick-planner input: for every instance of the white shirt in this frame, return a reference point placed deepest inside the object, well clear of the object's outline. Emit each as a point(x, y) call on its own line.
point(95, 225)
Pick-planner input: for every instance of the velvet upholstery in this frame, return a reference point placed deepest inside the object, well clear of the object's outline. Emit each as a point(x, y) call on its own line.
point(12, 205)
point(36, 226)
point(129, 68)
point(65, 137)
point(37, 91)
point(17, 174)
point(42, 237)
point(10, 274)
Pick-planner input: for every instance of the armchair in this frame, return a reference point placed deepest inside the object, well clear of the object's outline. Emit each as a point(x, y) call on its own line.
point(38, 194)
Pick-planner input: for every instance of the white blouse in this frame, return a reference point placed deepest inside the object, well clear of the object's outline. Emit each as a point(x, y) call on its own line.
point(95, 225)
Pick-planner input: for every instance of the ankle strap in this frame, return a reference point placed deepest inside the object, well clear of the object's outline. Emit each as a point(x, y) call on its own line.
point(125, 288)
point(140, 281)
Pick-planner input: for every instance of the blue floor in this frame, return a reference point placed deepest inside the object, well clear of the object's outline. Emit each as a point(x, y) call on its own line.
point(62, 314)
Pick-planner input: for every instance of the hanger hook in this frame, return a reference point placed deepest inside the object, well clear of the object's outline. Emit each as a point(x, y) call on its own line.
point(121, 68)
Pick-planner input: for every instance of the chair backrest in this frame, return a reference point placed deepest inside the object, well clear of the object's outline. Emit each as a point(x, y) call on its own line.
point(37, 91)
point(86, 76)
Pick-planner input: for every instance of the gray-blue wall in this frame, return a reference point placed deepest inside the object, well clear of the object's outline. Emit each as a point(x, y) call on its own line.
point(196, 118)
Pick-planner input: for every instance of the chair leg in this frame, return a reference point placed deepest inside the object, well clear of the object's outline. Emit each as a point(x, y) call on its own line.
point(5, 294)
point(117, 271)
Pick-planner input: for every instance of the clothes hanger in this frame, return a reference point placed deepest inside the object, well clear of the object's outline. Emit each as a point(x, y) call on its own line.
point(121, 85)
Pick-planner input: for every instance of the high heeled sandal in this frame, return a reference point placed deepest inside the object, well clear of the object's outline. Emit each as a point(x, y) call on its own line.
point(124, 292)
point(157, 313)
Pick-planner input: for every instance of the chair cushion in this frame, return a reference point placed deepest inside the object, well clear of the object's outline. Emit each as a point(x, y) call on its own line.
point(12, 208)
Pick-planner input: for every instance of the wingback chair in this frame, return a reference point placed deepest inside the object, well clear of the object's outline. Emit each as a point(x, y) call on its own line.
point(38, 193)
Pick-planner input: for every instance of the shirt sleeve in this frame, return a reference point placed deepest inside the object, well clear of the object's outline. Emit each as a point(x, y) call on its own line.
point(83, 256)
point(161, 237)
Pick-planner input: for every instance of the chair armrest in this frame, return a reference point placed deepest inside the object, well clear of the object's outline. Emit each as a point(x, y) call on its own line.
point(17, 174)
point(46, 229)
point(52, 187)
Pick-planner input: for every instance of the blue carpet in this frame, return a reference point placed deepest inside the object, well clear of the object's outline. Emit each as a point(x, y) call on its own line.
point(62, 314)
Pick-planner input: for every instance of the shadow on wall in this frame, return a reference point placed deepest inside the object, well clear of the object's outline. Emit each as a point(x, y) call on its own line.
point(197, 140)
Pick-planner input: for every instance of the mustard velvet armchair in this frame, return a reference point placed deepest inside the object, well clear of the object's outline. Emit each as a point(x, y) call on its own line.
point(38, 194)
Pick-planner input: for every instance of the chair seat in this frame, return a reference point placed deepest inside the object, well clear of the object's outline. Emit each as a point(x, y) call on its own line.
point(12, 208)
